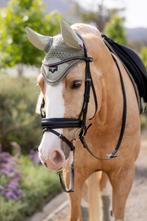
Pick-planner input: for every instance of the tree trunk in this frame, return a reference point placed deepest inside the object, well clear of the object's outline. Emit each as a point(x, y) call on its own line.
point(20, 70)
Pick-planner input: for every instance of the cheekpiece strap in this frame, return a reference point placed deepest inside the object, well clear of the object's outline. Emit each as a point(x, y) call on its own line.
point(61, 136)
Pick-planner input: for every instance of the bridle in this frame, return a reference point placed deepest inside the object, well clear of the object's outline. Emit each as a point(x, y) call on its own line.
point(50, 124)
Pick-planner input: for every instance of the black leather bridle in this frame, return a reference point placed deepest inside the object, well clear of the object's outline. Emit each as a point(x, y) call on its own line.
point(50, 124)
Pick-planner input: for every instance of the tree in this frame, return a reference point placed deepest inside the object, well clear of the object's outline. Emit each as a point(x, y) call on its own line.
point(99, 16)
point(143, 54)
point(18, 123)
point(115, 30)
point(14, 46)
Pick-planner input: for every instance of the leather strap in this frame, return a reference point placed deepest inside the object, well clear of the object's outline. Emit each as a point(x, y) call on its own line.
point(72, 175)
point(88, 59)
point(55, 123)
point(113, 154)
point(124, 113)
point(60, 173)
point(61, 136)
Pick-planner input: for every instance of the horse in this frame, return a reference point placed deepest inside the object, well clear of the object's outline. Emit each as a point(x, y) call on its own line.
point(63, 82)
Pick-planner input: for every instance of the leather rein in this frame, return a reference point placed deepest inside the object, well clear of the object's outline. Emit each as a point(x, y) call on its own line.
point(50, 124)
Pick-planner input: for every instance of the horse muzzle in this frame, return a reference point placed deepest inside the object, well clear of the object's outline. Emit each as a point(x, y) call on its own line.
point(56, 160)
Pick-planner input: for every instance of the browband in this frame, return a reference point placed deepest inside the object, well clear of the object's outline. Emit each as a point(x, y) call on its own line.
point(89, 59)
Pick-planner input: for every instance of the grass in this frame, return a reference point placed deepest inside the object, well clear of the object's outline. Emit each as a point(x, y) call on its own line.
point(38, 186)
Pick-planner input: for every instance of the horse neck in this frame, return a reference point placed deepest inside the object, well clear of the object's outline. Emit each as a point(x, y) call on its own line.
point(109, 114)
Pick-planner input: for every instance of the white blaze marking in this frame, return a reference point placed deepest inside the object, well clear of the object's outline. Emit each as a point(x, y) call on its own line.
point(54, 107)
point(54, 101)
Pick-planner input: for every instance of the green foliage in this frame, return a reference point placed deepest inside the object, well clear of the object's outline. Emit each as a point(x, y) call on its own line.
point(99, 14)
point(3, 180)
point(9, 210)
point(143, 122)
point(18, 121)
point(14, 46)
point(143, 54)
point(38, 186)
point(115, 30)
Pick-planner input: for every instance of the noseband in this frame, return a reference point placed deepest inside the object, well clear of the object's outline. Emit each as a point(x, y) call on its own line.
point(50, 124)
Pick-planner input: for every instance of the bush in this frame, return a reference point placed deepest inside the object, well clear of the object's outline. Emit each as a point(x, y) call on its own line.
point(143, 122)
point(38, 187)
point(18, 121)
point(115, 29)
point(9, 210)
point(10, 177)
point(143, 54)
point(14, 45)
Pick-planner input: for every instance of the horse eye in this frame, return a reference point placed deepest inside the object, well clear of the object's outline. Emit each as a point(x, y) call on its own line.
point(76, 84)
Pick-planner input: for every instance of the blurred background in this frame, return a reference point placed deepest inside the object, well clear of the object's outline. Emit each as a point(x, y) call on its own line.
point(25, 186)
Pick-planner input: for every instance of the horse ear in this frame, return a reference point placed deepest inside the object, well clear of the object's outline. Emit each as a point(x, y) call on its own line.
point(41, 42)
point(69, 36)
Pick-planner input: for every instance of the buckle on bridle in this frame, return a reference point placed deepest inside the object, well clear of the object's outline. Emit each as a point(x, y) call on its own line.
point(88, 80)
point(89, 59)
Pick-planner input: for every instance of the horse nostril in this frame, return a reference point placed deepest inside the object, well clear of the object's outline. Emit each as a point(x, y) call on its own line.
point(57, 157)
point(55, 161)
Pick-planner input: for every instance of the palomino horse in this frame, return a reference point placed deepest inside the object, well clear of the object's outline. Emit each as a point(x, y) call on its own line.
point(63, 83)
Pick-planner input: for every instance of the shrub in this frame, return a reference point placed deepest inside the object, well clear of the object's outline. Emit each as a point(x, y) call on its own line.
point(38, 186)
point(9, 210)
point(18, 121)
point(14, 46)
point(143, 54)
point(115, 29)
point(10, 177)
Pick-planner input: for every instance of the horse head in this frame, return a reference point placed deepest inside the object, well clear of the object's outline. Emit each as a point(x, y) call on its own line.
point(63, 85)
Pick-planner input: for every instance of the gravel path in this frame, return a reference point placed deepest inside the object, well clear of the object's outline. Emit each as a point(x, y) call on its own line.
point(136, 208)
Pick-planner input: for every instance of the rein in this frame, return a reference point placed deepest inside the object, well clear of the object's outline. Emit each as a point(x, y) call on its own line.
point(50, 124)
